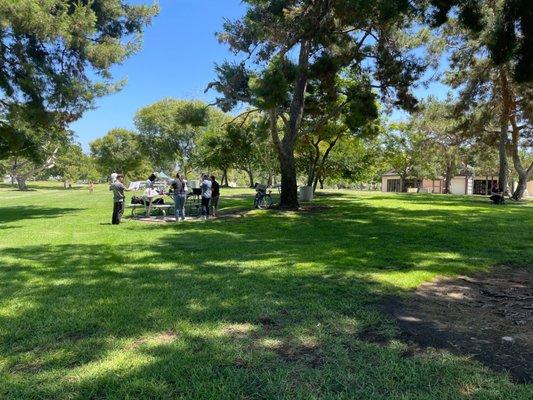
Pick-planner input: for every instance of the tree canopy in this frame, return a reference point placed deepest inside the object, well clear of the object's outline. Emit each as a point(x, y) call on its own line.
point(292, 46)
point(55, 59)
point(120, 151)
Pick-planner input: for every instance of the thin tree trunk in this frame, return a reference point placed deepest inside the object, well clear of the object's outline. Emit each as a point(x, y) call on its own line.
point(250, 177)
point(313, 165)
point(448, 177)
point(224, 179)
point(320, 172)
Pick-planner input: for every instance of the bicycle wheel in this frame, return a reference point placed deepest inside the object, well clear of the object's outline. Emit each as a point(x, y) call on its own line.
point(265, 202)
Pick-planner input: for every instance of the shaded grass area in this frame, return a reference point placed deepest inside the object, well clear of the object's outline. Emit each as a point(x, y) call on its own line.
point(272, 305)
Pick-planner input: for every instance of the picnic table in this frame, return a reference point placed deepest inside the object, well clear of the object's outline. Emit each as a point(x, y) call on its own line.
point(192, 205)
point(147, 206)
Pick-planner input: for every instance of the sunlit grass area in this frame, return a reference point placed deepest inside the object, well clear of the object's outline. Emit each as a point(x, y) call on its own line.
point(267, 306)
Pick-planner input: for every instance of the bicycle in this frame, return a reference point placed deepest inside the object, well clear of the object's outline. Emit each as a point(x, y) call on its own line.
point(263, 199)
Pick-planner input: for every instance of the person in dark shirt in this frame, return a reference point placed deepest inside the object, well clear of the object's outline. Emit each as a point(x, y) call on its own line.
point(118, 190)
point(215, 195)
point(179, 190)
point(497, 194)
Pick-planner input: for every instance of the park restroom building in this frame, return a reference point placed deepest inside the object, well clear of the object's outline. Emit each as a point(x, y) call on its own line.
point(462, 184)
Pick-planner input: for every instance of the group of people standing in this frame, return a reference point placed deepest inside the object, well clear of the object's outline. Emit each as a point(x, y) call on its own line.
point(209, 193)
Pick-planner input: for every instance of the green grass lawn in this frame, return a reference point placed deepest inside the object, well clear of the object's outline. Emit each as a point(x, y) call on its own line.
point(268, 306)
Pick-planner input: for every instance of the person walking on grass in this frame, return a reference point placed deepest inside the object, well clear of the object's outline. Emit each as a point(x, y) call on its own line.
point(179, 190)
point(206, 195)
point(215, 195)
point(118, 189)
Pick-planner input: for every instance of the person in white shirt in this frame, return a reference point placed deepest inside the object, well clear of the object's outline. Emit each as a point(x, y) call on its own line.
point(206, 195)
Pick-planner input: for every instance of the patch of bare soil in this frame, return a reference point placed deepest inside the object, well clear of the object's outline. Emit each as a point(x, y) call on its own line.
point(308, 352)
point(309, 208)
point(160, 338)
point(305, 208)
point(488, 316)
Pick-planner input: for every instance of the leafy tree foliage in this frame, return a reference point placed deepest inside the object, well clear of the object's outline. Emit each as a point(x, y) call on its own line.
point(325, 38)
point(508, 34)
point(49, 51)
point(73, 164)
point(497, 107)
point(242, 144)
point(444, 134)
point(120, 151)
point(349, 108)
point(168, 130)
point(355, 160)
point(406, 152)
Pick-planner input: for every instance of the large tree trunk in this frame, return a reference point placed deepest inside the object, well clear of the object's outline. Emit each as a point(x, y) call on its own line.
point(289, 187)
point(285, 147)
point(523, 173)
point(521, 187)
point(23, 177)
point(21, 182)
point(503, 175)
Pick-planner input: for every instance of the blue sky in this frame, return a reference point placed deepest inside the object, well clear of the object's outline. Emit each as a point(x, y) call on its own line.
point(176, 60)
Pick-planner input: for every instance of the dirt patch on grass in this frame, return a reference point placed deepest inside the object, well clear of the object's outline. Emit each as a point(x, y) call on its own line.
point(237, 331)
point(32, 367)
point(373, 336)
point(308, 352)
point(488, 316)
point(164, 337)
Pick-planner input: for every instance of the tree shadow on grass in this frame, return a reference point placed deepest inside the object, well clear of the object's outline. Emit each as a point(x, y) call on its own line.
point(476, 201)
point(282, 305)
point(100, 321)
point(20, 213)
